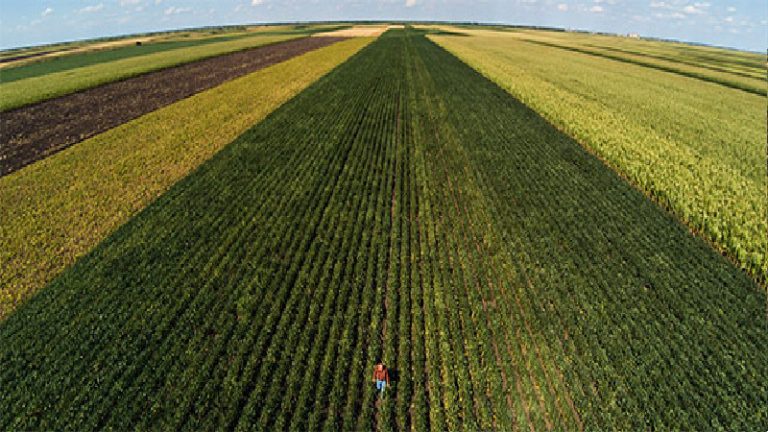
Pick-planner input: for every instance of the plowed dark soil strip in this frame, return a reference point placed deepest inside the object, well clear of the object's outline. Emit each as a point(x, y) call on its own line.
point(34, 132)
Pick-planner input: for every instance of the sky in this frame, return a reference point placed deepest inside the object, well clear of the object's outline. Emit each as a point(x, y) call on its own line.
point(741, 24)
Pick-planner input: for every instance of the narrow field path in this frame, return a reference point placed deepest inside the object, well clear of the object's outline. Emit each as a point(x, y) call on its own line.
point(34, 132)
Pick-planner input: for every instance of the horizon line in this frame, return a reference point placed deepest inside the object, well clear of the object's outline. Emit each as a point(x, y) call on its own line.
point(475, 23)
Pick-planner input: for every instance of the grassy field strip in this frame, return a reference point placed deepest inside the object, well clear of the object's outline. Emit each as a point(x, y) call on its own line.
point(744, 71)
point(698, 154)
point(27, 91)
point(746, 64)
point(635, 52)
point(56, 210)
point(751, 85)
point(749, 64)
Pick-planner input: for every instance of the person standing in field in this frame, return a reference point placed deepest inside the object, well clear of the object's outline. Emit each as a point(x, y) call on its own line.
point(380, 377)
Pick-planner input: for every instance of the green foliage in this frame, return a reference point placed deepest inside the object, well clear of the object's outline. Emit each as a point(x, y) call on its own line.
point(695, 147)
point(58, 209)
point(735, 80)
point(405, 208)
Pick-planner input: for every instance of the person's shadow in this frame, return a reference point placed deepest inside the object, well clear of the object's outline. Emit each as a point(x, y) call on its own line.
point(393, 375)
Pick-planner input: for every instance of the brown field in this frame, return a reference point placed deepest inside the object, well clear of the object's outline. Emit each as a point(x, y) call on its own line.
point(36, 131)
point(358, 31)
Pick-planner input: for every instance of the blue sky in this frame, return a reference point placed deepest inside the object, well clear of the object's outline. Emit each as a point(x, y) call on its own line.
point(736, 23)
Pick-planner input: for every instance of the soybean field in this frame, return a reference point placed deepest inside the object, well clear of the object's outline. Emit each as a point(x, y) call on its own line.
point(403, 208)
point(687, 125)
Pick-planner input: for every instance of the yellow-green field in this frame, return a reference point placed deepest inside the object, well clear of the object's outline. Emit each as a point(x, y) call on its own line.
point(695, 146)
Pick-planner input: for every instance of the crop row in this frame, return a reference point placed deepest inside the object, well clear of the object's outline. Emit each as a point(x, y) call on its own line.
point(643, 319)
point(258, 291)
point(695, 148)
point(750, 84)
point(58, 209)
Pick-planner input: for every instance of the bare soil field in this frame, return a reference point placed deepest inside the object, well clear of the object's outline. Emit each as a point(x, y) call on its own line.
point(34, 132)
point(358, 31)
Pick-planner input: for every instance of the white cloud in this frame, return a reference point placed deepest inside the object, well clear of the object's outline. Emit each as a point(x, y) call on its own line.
point(124, 3)
point(731, 9)
point(696, 8)
point(679, 9)
point(596, 9)
point(173, 10)
point(256, 2)
point(47, 12)
point(672, 15)
point(410, 3)
point(693, 10)
point(92, 8)
point(562, 7)
point(157, 2)
point(729, 19)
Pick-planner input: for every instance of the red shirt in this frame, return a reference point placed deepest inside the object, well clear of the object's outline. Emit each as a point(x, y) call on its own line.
point(381, 375)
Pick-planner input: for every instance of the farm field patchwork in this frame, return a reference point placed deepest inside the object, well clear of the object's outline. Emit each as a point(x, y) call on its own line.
point(696, 147)
point(403, 207)
point(88, 54)
point(57, 209)
point(743, 71)
point(34, 132)
point(27, 91)
point(76, 60)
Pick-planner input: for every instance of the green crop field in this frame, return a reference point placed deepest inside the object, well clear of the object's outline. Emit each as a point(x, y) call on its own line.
point(406, 208)
point(67, 203)
point(695, 146)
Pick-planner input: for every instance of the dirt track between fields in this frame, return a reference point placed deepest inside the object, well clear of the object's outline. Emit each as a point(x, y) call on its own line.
point(33, 132)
